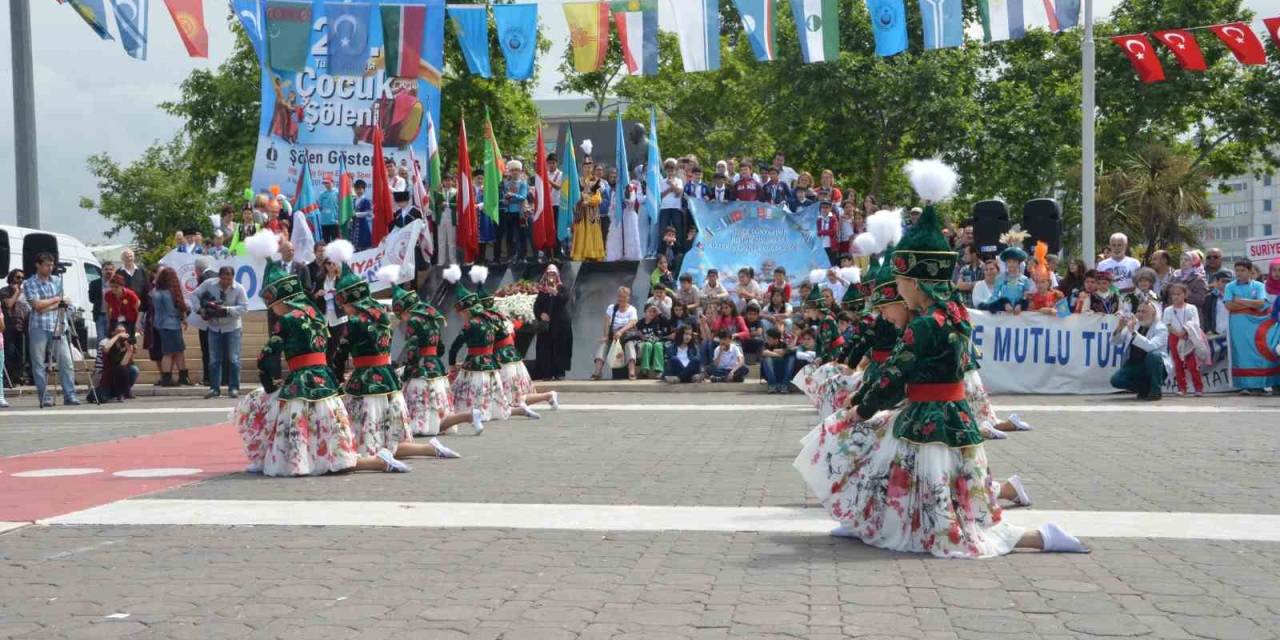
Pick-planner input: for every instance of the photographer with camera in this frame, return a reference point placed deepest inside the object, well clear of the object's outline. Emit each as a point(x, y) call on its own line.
point(116, 372)
point(48, 312)
point(222, 302)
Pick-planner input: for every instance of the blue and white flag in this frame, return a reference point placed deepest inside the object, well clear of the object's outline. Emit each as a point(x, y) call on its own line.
point(471, 24)
point(1068, 13)
point(94, 13)
point(624, 173)
point(131, 20)
point(943, 22)
point(517, 26)
point(1010, 19)
point(698, 28)
point(250, 14)
point(889, 25)
point(758, 23)
point(653, 170)
point(348, 38)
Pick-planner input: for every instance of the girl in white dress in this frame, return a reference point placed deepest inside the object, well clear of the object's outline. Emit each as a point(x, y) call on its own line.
point(624, 231)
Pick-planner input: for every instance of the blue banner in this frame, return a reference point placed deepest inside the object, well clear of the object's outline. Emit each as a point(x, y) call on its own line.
point(759, 235)
point(131, 19)
point(332, 117)
point(251, 19)
point(889, 25)
point(348, 38)
point(1255, 338)
point(471, 24)
point(517, 26)
point(943, 23)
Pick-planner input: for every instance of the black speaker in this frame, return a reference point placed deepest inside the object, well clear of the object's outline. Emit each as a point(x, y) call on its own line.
point(4, 255)
point(1042, 218)
point(34, 244)
point(990, 219)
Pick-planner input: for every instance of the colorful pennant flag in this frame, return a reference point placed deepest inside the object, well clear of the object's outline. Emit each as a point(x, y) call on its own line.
point(817, 21)
point(570, 188)
point(588, 34)
point(346, 197)
point(1144, 59)
point(637, 22)
point(943, 23)
point(131, 21)
point(624, 172)
point(698, 29)
point(1184, 47)
point(517, 26)
point(758, 24)
point(494, 168)
point(348, 29)
point(468, 231)
point(544, 218)
point(471, 23)
point(250, 14)
point(404, 26)
point(305, 202)
point(653, 170)
point(380, 191)
point(1242, 41)
point(188, 16)
point(1010, 19)
point(889, 26)
point(1273, 27)
point(94, 13)
point(433, 155)
point(288, 32)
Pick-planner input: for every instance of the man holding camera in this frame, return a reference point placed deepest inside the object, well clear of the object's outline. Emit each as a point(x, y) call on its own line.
point(222, 303)
point(46, 329)
point(119, 373)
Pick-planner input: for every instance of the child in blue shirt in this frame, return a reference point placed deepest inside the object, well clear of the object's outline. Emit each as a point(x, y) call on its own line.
point(1014, 288)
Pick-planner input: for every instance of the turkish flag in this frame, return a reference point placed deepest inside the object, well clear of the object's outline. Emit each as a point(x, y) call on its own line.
point(383, 210)
point(188, 16)
point(1273, 27)
point(544, 217)
point(468, 231)
point(1242, 41)
point(1142, 55)
point(1184, 47)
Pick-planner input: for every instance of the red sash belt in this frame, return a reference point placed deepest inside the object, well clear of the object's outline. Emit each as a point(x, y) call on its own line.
point(361, 362)
point(505, 342)
point(479, 351)
point(881, 355)
point(307, 360)
point(838, 342)
point(936, 392)
point(427, 351)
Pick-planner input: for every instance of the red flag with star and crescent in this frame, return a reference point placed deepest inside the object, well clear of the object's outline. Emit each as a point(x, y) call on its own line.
point(1242, 41)
point(1273, 27)
point(1142, 55)
point(1184, 47)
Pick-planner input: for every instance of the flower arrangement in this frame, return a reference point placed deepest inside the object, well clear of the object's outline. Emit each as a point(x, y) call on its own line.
point(515, 305)
point(527, 287)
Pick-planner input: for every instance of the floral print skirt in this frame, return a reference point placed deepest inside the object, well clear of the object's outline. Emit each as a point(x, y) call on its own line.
point(294, 437)
point(379, 421)
point(429, 403)
point(834, 391)
point(480, 390)
point(804, 381)
point(516, 382)
point(903, 496)
point(976, 394)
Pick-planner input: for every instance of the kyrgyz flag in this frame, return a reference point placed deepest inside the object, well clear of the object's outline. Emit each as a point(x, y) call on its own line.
point(381, 191)
point(493, 169)
point(588, 34)
point(638, 32)
point(1142, 55)
point(94, 13)
point(1242, 41)
point(817, 22)
point(570, 188)
point(544, 219)
point(403, 28)
point(288, 34)
point(1184, 47)
point(188, 16)
point(468, 233)
point(758, 23)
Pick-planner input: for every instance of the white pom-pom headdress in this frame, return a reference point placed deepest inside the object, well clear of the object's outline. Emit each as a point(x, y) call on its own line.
point(851, 275)
point(886, 226)
point(263, 245)
point(388, 274)
point(479, 274)
point(586, 146)
point(339, 252)
point(933, 179)
point(817, 275)
point(453, 273)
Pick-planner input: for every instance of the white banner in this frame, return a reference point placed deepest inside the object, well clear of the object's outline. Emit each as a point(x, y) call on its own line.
point(396, 249)
point(1036, 353)
point(1261, 251)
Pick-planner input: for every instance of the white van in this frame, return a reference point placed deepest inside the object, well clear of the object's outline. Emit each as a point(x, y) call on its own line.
point(19, 247)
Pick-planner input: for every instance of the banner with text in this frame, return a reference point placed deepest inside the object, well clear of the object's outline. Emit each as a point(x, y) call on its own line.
point(396, 249)
point(332, 116)
point(1035, 353)
point(1261, 251)
point(759, 235)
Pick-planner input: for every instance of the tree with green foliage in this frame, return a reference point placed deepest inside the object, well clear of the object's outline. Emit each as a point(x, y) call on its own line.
point(1154, 197)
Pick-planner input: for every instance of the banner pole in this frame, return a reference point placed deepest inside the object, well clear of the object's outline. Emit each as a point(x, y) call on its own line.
point(27, 187)
point(1088, 115)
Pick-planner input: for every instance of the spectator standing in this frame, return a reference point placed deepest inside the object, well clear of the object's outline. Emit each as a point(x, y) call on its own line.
point(620, 318)
point(984, 289)
point(1144, 281)
point(328, 214)
point(1071, 284)
point(135, 277)
point(827, 189)
point(1013, 290)
point(206, 273)
point(746, 187)
point(116, 372)
point(122, 305)
point(323, 294)
point(363, 217)
point(624, 241)
point(223, 303)
point(1162, 264)
point(683, 364)
point(588, 240)
point(515, 194)
point(14, 311)
point(217, 249)
point(786, 174)
point(969, 274)
point(606, 202)
point(554, 351)
point(1191, 274)
point(1119, 266)
point(555, 177)
point(721, 190)
point(803, 193)
point(170, 320)
point(829, 230)
point(1213, 264)
point(774, 191)
point(1243, 298)
point(4, 404)
point(671, 201)
point(45, 295)
point(1185, 338)
point(1216, 317)
point(1146, 353)
point(850, 226)
point(96, 290)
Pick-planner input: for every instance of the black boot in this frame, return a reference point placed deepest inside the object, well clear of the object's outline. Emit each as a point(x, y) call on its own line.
point(166, 380)
point(184, 379)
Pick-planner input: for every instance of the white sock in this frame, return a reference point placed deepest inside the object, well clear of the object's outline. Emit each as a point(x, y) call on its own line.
point(443, 451)
point(991, 433)
point(555, 400)
point(393, 465)
point(1019, 422)
point(1059, 541)
point(1023, 499)
point(532, 415)
point(844, 532)
point(477, 421)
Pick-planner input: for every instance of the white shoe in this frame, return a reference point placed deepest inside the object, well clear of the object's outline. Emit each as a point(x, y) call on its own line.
point(443, 451)
point(844, 532)
point(530, 413)
point(1056, 540)
point(1019, 422)
point(477, 422)
point(393, 465)
point(451, 431)
point(991, 433)
point(555, 400)
point(4, 404)
point(253, 468)
point(1022, 499)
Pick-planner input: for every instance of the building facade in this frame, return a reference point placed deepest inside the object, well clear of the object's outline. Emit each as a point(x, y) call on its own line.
point(1243, 207)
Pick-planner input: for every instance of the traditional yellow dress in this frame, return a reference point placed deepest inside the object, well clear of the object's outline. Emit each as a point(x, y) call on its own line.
point(588, 242)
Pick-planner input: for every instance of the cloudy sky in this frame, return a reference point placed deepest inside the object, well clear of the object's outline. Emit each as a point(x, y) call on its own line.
point(91, 98)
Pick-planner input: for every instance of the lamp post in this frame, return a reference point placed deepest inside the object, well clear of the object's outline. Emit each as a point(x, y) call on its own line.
point(27, 187)
point(1087, 170)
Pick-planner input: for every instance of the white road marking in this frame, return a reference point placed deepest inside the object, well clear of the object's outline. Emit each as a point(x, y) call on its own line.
point(57, 472)
point(162, 472)
point(6, 527)
point(581, 517)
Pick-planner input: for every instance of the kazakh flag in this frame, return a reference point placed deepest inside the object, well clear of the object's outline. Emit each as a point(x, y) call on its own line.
point(818, 24)
point(94, 13)
point(570, 189)
point(493, 168)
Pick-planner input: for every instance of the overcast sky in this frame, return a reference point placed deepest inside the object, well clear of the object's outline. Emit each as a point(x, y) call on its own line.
point(91, 97)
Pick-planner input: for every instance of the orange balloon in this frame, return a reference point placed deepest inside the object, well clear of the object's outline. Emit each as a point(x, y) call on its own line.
point(275, 190)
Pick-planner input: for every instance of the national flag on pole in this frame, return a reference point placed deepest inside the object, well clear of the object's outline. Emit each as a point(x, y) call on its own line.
point(346, 197)
point(817, 22)
point(251, 20)
point(624, 172)
point(1068, 13)
point(588, 34)
point(471, 23)
point(517, 26)
point(94, 13)
point(417, 190)
point(1242, 41)
point(698, 28)
point(1273, 27)
point(889, 26)
point(468, 230)
point(288, 34)
point(433, 155)
point(494, 166)
point(943, 22)
point(380, 191)
point(348, 30)
point(305, 202)
point(188, 16)
point(653, 170)
point(131, 21)
point(1184, 47)
point(758, 24)
point(637, 22)
point(1143, 57)
point(404, 26)
point(570, 188)
point(1010, 19)
point(303, 238)
point(544, 219)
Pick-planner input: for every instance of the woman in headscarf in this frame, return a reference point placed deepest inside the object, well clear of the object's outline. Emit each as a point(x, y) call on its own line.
point(1191, 273)
point(554, 349)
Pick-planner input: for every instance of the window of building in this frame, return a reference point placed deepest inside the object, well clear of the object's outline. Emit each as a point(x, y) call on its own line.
point(1266, 229)
point(1266, 180)
point(1242, 232)
point(1266, 205)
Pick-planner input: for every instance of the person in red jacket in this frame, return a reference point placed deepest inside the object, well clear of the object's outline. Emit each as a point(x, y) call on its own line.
point(122, 305)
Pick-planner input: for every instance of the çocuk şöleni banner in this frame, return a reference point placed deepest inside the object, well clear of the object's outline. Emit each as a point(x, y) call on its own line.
point(762, 236)
point(332, 117)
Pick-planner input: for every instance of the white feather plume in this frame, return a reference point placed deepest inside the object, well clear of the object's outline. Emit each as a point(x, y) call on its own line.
point(453, 273)
point(479, 273)
point(339, 252)
point(586, 146)
point(388, 274)
point(817, 275)
point(867, 244)
point(886, 226)
point(262, 245)
point(851, 275)
point(933, 179)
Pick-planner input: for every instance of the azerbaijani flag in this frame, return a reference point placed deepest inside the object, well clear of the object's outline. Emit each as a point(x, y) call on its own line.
point(588, 34)
point(493, 168)
point(403, 28)
point(305, 203)
point(346, 197)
